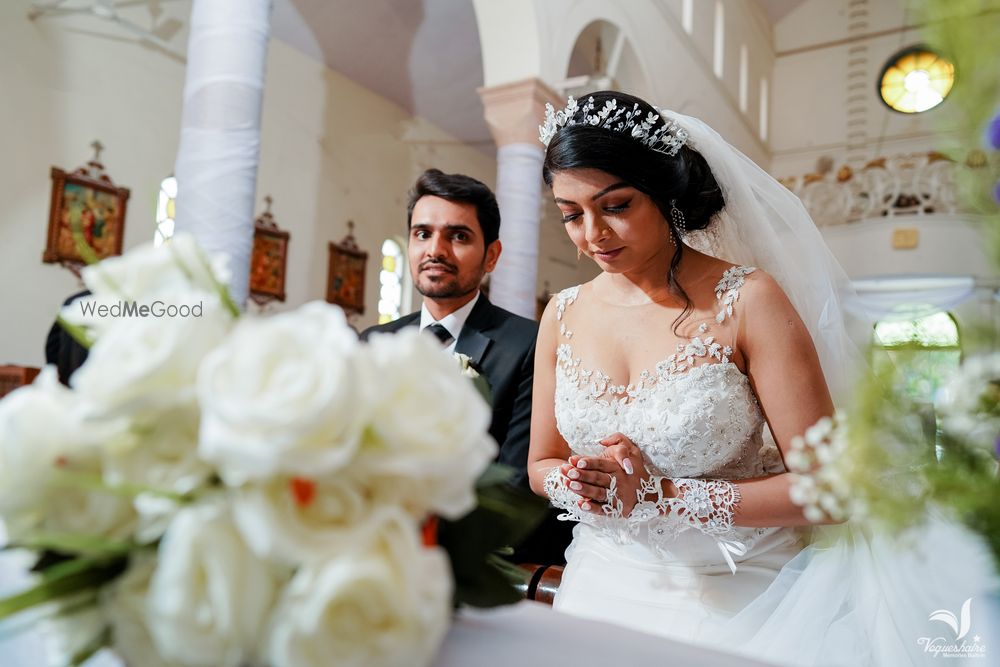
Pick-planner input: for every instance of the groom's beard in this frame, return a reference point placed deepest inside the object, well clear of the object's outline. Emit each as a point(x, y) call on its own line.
point(448, 285)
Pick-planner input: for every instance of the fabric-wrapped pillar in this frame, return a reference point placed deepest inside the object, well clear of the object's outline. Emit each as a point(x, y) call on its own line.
point(216, 165)
point(514, 111)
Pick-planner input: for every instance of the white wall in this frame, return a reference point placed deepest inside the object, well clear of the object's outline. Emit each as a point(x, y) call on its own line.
point(674, 63)
point(948, 245)
point(331, 151)
point(809, 104)
point(64, 87)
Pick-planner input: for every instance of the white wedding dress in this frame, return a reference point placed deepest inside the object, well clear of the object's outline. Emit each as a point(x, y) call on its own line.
point(850, 599)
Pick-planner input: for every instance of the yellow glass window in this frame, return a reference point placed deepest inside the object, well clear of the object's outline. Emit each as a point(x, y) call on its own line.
point(916, 79)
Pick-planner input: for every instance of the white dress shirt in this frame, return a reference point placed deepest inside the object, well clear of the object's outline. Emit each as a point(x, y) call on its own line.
point(453, 322)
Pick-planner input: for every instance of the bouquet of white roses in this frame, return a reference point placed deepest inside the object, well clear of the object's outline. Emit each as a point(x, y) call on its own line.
point(218, 489)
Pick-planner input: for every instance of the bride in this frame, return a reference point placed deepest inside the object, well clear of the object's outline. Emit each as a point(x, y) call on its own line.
point(717, 314)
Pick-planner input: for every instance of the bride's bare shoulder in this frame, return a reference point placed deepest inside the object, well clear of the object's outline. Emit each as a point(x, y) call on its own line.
point(759, 286)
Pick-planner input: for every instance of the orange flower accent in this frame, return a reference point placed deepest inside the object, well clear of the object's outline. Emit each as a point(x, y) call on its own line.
point(430, 531)
point(303, 490)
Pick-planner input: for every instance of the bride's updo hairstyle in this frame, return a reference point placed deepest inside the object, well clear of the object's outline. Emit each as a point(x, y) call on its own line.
point(653, 159)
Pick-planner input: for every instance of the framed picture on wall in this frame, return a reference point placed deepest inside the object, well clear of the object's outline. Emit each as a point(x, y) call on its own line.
point(269, 259)
point(88, 201)
point(345, 280)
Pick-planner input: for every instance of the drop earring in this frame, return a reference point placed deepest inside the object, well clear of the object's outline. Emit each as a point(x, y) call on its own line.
point(678, 217)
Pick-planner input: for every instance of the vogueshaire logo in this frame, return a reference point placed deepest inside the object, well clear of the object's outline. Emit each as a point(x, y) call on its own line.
point(960, 646)
point(135, 309)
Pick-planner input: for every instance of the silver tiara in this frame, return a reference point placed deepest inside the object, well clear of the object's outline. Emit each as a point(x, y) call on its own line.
point(667, 138)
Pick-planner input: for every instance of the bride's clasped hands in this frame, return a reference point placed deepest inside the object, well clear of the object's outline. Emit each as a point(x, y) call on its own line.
point(617, 473)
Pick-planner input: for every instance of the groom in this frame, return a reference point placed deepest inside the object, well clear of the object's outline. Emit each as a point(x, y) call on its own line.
point(453, 242)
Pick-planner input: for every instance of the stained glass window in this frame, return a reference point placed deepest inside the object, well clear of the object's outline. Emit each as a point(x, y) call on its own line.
point(926, 353)
point(916, 79)
point(165, 205)
point(390, 297)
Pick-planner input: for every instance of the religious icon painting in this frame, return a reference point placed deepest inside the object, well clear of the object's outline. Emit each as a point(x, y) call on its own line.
point(86, 216)
point(269, 260)
point(345, 283)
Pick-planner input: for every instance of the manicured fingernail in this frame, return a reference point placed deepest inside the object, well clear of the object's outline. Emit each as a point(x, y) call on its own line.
point(573, 474)
point(585, 507)
point(582, 463)
point(627, 464)
point(576, 486)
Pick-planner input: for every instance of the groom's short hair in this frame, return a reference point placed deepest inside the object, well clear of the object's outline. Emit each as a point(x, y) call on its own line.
point(462, 189)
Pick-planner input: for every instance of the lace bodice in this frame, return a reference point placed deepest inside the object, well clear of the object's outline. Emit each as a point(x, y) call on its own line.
point(692, 415)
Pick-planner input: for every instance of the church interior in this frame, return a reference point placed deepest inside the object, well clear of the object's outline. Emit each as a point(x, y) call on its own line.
point(361, 98)
point(842, 101)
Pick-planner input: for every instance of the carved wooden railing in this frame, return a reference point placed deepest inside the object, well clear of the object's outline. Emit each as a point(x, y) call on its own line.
point(903, 185)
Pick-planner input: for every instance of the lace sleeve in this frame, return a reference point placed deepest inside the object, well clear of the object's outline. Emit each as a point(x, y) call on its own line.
point(559, 494)
point(608, 520)
point(708, 506)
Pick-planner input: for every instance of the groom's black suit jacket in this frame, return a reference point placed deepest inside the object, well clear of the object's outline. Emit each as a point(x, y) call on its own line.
point(502, 345)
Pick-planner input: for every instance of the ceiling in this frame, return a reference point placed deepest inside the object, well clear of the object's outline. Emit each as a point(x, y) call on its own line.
point(779, 9)
point(424, 55)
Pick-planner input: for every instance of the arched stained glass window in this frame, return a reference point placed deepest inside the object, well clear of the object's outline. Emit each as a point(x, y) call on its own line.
point(390, 297)
point(926, 352)
point(165, 204)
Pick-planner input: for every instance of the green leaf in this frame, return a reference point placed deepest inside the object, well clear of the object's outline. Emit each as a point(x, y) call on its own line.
point(496, 473)
point(76, 332)
point(475, 543)
point(221, 288)
point(94, 482)
point(482, 385)
point(486, 587)
point(86, 545)
point(68, 581)
point(96, 643)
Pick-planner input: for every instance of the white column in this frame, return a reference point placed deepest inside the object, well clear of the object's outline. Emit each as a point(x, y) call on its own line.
point(519, 193)
point(216, 165)
point(514, 111)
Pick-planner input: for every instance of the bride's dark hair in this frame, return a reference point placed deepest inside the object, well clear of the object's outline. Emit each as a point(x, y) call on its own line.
point(684, 178)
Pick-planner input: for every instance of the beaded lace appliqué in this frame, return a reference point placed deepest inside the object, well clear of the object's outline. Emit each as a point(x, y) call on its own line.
point(715, 418)
point(686, 356)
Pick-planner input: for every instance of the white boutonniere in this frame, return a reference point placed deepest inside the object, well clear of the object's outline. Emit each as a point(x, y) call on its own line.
point(471, 370)
point(466, 366)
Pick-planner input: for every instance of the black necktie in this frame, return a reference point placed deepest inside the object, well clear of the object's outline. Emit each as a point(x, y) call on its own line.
point(441, 333)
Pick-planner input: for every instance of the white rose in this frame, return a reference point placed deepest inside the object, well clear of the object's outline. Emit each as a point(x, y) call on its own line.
point(147, 273)
point(150, 269)
point(161, 456)
point(210, 597)
point(298, 520)
point(123, 606)
point(283, 396)
point(82, 511)
point(430, 425)
point(970, 403)
point(388, 603)
point(147, 364)
point(45, 437)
